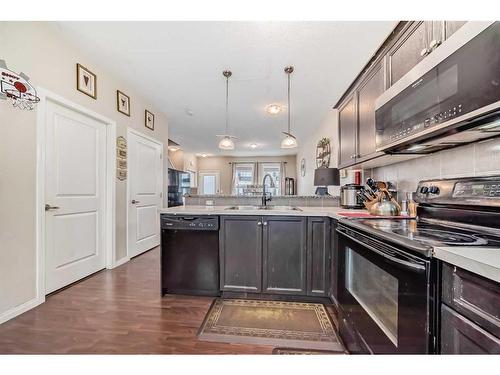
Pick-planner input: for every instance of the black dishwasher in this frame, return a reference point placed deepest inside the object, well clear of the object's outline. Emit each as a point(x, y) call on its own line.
point(190, 255)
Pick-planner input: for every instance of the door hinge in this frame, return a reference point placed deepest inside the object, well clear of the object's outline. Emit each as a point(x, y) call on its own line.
point(161, 195)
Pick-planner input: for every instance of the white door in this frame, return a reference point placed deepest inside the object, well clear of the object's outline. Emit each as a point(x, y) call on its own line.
point(209, 183)
point(145, 187)
point(75, 196)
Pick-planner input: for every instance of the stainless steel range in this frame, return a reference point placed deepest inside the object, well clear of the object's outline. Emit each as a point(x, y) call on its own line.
point(387, 287)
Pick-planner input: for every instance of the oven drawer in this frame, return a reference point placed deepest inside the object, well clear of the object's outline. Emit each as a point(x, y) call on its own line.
point(459, 335)
point(473, 296)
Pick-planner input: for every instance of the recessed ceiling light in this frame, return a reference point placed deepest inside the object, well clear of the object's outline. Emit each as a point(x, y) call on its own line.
point(273, 109)
point(173, 148)
point(254, 145)
point(189, 112)
point(204, 155)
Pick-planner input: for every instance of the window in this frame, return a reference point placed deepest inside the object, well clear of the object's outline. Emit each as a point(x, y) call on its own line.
point(273, 169)
point(243, 177)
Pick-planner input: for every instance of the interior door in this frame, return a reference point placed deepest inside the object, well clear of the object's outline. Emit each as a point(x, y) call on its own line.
point(75, 196)
point(145, 190)
point(209, 183)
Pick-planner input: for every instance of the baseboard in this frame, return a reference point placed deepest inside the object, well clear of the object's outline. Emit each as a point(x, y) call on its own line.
point(18, 310)
point(118, 263)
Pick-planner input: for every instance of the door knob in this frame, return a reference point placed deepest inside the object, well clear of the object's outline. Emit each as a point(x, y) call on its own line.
point(425, 51)
point(135, 202)
point(48, 207)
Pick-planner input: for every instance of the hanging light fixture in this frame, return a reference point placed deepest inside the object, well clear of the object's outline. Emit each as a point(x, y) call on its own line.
point(227, 143)
point(289, 141)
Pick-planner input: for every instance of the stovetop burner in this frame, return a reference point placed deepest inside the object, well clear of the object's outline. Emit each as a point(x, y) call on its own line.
point(433, 234)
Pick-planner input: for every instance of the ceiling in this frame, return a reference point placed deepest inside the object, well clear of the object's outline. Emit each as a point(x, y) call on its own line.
point(178, 66)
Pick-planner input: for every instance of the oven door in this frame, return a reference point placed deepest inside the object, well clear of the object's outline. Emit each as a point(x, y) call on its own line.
point(383, 296)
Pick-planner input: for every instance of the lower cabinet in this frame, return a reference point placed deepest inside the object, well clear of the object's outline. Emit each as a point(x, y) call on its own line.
point(240, 247)
point(318, 256)
point(470, 313)
point(284, 264)
point(275, 254)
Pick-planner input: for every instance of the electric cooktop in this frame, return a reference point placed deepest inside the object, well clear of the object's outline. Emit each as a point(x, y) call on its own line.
point(432, 234)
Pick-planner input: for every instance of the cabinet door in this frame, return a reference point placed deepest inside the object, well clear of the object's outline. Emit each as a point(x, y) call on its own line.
point(347, 132)
point(368, 92)
point(451, 26)
point(240, 246)
point(459, 335)
point(318, 256)
point(407, 51)
point(284, 255)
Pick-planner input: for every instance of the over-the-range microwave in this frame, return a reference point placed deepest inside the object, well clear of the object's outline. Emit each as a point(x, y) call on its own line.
point(450, 98)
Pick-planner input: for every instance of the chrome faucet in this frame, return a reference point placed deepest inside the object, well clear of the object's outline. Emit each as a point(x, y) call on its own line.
point(265, 198)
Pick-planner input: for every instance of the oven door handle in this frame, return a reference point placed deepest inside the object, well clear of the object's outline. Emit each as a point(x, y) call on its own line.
point(412, 265)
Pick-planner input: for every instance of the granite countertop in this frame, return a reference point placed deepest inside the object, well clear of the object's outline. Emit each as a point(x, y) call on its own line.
point(332, 212)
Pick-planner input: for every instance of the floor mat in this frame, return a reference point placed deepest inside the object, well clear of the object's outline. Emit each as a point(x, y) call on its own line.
point(276, 323)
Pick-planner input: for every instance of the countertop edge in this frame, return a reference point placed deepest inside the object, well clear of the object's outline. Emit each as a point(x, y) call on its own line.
point(471, 263)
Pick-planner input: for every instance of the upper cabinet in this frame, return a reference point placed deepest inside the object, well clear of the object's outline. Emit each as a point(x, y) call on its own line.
point(369, 90)
point(410, 43)
point(357, 118)
point(347, 131)
point(408, 50)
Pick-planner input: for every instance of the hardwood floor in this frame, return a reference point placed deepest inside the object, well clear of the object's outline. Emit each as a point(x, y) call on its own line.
point(117, 311)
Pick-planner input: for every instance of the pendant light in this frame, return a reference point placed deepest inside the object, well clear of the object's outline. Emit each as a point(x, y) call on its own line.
point(289, 141)
point(227, 143)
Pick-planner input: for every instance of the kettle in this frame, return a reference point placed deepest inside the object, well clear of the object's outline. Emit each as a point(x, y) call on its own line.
point(385, 207)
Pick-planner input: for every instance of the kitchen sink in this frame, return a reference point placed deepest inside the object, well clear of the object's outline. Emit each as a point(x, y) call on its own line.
point(267, 208)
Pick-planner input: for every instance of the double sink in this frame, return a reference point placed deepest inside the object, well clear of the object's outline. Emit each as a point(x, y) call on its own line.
point(273, 208)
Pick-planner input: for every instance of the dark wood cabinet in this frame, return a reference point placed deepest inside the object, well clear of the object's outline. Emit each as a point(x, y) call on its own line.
point(408, 50)
point(240, 247)
point(405, 47)
point(459, 335)
point(284, 255)
point(318, 256)
point(470, 313)
point(449, 27)
point(275, 255)
point(348, 123)
point(369, 90)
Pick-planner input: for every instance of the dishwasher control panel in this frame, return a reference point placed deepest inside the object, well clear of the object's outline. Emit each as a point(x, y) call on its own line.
point(189, 222)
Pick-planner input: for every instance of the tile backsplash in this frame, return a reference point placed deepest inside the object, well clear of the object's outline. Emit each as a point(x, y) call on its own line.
point(477, 159)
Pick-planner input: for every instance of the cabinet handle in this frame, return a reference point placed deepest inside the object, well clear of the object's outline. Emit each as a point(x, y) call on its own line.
point(353, 156)
point(265, 223)
point(259, 223)
point(434, 44)
point(425, 52)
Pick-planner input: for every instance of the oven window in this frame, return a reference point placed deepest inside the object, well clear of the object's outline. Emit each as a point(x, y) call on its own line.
point(375, 290)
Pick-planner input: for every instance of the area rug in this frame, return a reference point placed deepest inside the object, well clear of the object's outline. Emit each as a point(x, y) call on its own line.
point(275, 323)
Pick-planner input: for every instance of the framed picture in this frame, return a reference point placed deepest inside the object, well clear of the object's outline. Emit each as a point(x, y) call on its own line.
point(149, 120)
point(86, 81)
point(122, 103)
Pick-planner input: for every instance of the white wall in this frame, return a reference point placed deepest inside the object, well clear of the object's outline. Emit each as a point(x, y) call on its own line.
point(477, 159)
point(38, 49)
point(307, 150)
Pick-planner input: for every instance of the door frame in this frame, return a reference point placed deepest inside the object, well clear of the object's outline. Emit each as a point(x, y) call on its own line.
point(110, 209)
point(162, 193)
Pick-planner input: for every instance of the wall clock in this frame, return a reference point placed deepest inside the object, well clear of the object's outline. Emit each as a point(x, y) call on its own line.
point(303, 167)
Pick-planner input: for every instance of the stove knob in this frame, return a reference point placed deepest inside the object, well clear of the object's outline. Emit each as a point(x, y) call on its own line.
point(424, 190)
point(434, 190)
